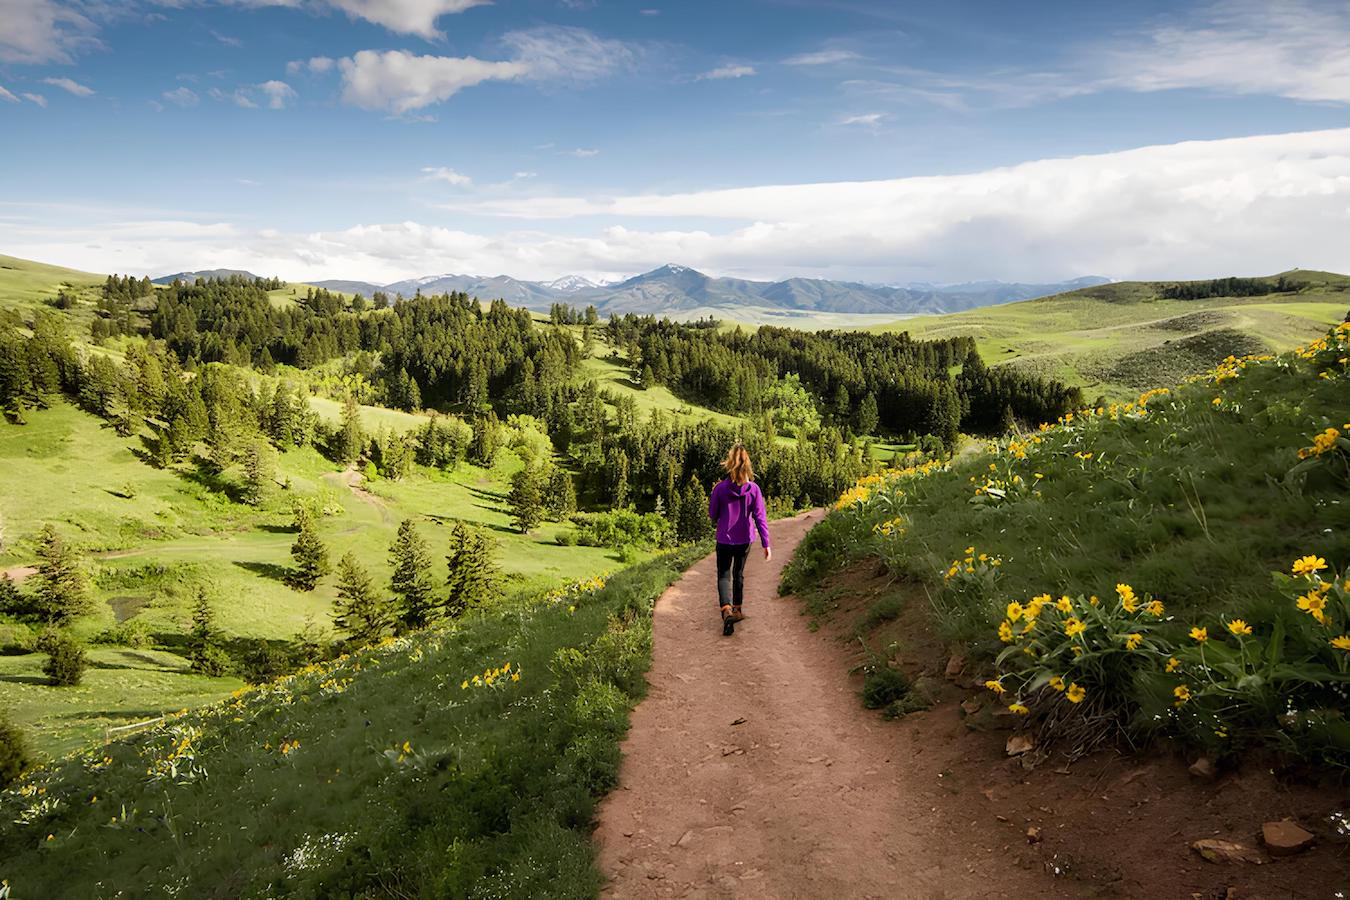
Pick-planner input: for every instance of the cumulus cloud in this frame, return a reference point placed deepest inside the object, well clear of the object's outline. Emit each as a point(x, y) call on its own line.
point(449, 176)
point(728, 71)
point(404, 16)
point(316, 65)
point(68, 84)
point(400, 82)
point(1199, 209)
point(278, 93)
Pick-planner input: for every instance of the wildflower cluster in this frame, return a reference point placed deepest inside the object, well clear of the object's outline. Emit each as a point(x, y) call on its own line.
point(1327, 441)
point(1329, 354)
point(1324, 598)
point(885, 482)
point(895, 526)
point(176, 762)
point(573, 592)
point(1062, 646)
point(492, 677)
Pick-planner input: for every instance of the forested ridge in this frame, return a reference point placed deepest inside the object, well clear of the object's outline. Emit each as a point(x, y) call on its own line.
point(477, 367)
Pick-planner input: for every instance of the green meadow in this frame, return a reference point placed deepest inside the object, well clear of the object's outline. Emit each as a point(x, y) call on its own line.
point(1116, 340)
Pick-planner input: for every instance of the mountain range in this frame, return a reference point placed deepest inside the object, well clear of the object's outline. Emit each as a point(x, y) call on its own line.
point(675, 289)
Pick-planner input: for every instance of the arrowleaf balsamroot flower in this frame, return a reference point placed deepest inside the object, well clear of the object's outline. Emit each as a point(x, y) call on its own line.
point(1075, 694)
point(1132, 641)
point(1200, 634)
point(1239, 627)
point(1018, 708)
point(1074, 626)
point(1182, 692)
point(994, 686)
point(1307, 565)
point(1341, 643)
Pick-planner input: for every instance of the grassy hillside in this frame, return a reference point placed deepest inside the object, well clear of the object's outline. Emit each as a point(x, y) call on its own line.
point(1117, 340)
point(1191, 497)
point(28, 285)
point(453, 763)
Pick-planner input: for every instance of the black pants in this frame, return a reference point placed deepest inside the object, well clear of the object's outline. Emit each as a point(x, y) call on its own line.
point(731, 573)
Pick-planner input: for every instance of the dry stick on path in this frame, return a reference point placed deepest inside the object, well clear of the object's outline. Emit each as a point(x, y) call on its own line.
point(752, 770)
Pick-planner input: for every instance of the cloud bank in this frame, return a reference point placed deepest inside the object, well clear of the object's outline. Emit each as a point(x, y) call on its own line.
point(1242, 206)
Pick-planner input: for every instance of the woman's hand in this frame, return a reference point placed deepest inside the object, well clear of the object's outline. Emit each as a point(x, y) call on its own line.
point(768, 554)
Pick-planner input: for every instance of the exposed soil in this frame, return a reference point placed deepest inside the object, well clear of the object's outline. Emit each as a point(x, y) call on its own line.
point(18, 574)
point(353, 481)
point(813, 796)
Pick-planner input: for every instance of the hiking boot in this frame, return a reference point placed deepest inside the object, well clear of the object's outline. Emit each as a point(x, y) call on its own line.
point(737, 614)
point(728, 621)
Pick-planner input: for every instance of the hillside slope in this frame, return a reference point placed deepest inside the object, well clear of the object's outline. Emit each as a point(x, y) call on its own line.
point(451, 763)
point(1119, 339)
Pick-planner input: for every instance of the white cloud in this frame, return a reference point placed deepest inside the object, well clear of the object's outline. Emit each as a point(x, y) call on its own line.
point(1198, 209)
point(226, 39)
point(181, 96)
point(1285, 48)
point(67, 84)
point(239, 97)
point(564, 54)
point(404, 16)
point(729, 71)
point(36, 98)
point(400, 82)
point(870, 120)
point(449, 176)
point(7, 96)
point(520, 176)
point(43, 31)
point(278, 93)
point(318, 65)
point(584, 152)
point(822, 58)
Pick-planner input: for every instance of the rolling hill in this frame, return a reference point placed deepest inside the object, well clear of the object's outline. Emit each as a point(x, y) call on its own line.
point(1122, 338)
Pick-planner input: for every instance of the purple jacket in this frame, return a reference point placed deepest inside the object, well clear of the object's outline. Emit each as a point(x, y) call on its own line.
point(733, 506)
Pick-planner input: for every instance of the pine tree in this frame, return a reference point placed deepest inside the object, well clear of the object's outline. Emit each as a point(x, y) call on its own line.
point(259, 469)
point(350, 440)
point(473, 570)
point(867, 414)
point(359, 611)
point(62, 589)
point(411, 582)
point(308, 551)
point(561, 499)
point(693, 523)
point(204, 640)
point(526, 499)
point(11, 600)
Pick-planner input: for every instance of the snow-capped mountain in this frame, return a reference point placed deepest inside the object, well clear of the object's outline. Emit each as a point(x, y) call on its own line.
point(571, 284)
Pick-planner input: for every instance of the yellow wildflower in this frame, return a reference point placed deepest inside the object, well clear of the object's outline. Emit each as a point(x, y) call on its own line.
point(1239, 627)
point(1200, 634)
point(1154, 607)
point(1133, 641)
point(1018, 708)
point(1173, 664)
point(1064, 604)
point(994, 686)
point(1005, 632)
point(515, 676)
point(1307, 565)
point(1057, 683)
point(1342, 642)
point(1074, 626)
point(1014, 611)
point(1075, 694)
point(1182, 692)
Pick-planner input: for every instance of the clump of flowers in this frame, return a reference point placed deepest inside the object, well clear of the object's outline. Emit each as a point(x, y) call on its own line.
point(884, 483)
point(493, 678)
point(895, 526)
point(575, 591)
point(176, 762)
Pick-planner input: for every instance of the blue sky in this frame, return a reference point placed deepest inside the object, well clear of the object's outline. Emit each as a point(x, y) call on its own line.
point(882, 141)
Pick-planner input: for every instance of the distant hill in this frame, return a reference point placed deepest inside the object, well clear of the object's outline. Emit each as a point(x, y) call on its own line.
point(674, 289)
point(205, 273)
point(365, 288)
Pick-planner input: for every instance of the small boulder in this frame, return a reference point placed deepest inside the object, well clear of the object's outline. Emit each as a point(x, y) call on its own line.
point(955, 666)
point(971, 705)
point(1203, 769)
point(1285, 838)
point(1019, 744)
point(1216, 850)
point(1034, 835)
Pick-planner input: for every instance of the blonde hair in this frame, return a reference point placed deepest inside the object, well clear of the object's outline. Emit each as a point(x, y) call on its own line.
point(738, 465)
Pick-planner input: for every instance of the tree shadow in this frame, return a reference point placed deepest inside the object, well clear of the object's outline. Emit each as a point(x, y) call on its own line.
point(266, 570)
point(26, 679)
point(202, 476)
point(277, 529)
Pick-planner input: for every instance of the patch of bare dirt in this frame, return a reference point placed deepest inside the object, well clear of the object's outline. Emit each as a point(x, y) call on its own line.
point(1107, 825)
point(751, 770)
point(354, 481)
point(18, 574)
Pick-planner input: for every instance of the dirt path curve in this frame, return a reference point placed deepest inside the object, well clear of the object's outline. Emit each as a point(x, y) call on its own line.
point(808, 797)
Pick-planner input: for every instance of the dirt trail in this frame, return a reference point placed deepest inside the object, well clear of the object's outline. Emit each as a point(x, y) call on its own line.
point(811, 796)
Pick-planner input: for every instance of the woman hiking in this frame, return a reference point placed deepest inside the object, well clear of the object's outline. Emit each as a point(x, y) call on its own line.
point(735, 504)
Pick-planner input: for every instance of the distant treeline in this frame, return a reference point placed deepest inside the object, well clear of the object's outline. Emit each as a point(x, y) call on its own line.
point(861, 381)
point(1229, 287)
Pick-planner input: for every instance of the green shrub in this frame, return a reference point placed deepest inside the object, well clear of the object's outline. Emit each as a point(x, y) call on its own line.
point(66, 659)
point(213, 661)
point(16, 639)
point(619, 527)
point(885, 609)
point(883, 686)
point(132, 633)
point(14, 756)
